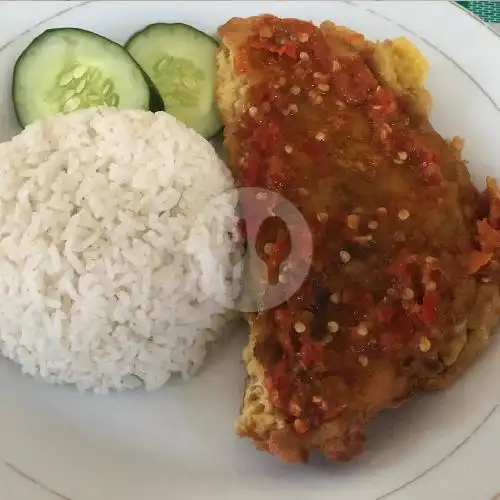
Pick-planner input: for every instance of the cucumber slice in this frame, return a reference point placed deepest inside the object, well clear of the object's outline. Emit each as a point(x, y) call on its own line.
point(66, 69)
point(180, 60)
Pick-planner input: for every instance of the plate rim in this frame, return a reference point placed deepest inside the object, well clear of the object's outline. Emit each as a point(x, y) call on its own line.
point(74, 5)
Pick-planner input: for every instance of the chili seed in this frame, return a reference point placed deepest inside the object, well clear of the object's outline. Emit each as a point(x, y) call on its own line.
point(403, 214)
point(362, 331)
point(268, 248)
point(352, 221)
point(300, 426)
point(363, 361)
point(345, 257)
point(333, 326)
point(299, 327)
point(425, 344)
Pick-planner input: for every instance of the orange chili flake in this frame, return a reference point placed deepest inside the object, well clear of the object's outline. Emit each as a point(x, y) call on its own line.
point(288, 48)
point(488, 238)
point(477, 260)
point(300, 426)
point(428, 311)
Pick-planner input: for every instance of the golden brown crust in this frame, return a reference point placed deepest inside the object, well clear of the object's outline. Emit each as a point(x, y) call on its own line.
point(341, 436)
point(477, 334)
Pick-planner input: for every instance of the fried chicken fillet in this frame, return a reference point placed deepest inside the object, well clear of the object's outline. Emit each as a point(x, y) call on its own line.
point(402, 292)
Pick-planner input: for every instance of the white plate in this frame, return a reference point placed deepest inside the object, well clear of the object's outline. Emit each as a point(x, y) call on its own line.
point(178, 443)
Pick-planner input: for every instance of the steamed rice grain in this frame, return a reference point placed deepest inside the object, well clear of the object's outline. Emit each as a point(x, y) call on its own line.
point(102, 257)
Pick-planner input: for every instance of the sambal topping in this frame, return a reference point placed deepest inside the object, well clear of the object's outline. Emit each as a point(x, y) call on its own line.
point(265, 32)
point(399, 236)
point(430, 286)
point(325, 134)
point(428, 311)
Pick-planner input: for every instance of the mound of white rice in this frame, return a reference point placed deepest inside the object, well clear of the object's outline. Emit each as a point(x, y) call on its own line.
point(101, 249)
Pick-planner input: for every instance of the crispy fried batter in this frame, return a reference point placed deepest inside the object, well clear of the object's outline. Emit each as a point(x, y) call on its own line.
point(338, 125)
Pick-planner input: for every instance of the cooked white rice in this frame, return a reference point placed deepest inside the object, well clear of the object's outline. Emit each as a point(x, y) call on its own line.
point(102, 252)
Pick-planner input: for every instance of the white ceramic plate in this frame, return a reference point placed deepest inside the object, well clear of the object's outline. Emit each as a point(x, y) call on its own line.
point(178, 443)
